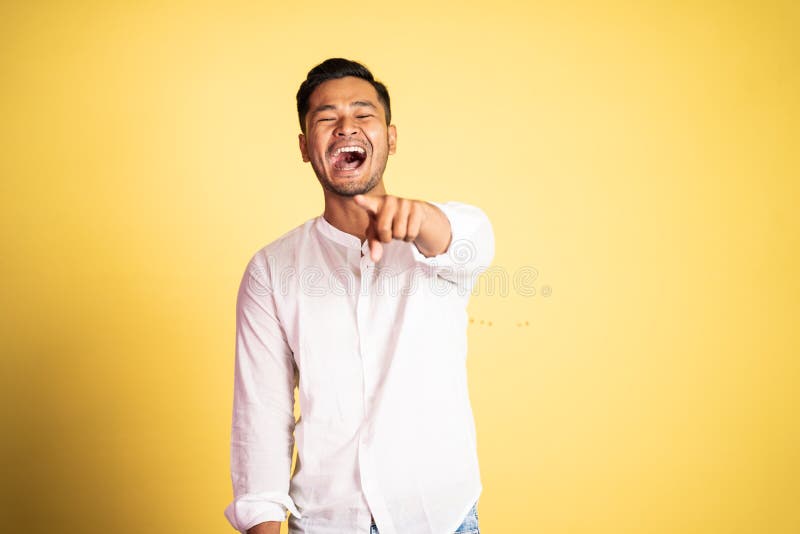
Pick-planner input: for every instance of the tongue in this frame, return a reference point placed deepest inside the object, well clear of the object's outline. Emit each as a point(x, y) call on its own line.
point(347, 161)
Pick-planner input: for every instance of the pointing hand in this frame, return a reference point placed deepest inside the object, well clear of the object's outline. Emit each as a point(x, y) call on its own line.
point(391, 218)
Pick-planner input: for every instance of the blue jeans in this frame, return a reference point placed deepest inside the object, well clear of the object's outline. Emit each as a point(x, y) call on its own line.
point(468, 526)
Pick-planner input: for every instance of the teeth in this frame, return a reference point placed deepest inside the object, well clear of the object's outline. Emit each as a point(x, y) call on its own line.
point(348, 149)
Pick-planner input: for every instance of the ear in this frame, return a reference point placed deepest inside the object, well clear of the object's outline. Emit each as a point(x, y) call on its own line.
point(392, 132)
point(303, 148)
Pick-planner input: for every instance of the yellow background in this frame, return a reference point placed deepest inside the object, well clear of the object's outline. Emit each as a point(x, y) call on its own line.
point(641, 156)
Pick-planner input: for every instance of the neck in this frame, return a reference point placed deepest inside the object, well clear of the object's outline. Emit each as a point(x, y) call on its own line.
point(343, 213)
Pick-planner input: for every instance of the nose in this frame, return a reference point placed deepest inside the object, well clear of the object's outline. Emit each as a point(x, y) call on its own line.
point(346, 127)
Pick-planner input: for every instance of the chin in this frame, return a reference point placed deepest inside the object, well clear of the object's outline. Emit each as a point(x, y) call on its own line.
point(351, 187)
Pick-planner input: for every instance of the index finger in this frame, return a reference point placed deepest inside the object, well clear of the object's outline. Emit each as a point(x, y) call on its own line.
point(371, 203)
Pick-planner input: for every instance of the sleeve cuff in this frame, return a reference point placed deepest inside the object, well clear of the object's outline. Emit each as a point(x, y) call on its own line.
point(471, 247)
point(250, 509)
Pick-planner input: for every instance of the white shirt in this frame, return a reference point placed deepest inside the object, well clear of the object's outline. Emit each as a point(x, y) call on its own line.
point(378, 352)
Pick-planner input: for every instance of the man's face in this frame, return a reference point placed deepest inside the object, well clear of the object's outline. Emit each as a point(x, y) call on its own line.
point(347, 140)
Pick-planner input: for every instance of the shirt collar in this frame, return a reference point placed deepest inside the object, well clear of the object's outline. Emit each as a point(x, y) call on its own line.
point(340, 236)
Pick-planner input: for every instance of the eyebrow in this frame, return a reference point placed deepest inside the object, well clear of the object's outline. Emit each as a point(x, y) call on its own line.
point(363, 103)
point(331, 107)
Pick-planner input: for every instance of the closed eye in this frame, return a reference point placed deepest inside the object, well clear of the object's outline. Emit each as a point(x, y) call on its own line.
point(363, 116)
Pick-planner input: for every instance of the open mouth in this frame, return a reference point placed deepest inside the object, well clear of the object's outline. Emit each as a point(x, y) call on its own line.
point(348, 158)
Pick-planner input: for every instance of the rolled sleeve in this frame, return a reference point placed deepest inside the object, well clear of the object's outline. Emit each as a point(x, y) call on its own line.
point(263, 421)
point(247, 511)
point(471, 248)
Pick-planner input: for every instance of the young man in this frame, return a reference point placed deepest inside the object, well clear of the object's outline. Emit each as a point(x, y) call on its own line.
point(363, 308)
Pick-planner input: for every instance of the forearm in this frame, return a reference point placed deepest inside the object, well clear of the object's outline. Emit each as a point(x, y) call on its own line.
point(270, 527)
point(434, 233)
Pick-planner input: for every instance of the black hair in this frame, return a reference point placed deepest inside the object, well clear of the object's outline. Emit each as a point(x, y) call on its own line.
point(332, 69)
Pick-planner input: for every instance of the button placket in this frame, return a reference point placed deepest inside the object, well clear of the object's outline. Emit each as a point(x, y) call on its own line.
point(365, 460)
